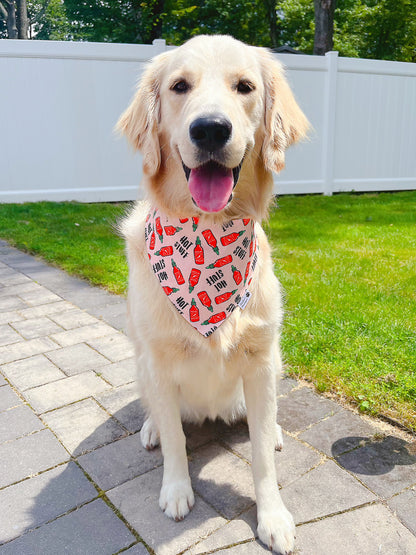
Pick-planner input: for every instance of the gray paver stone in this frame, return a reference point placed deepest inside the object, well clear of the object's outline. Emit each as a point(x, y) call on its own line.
point(114, 314)
point(17, 289)
point(370, 530)
point(13, 278)
point(18, 422)
point(286, 385)
point(404, 506)
point(386, 467)
point(36, 327)
point(92, 529)
point(8, 335)
point(294, 460)
point(83, 426)
point(56, 394)
point(73, 319)
point(10, 317)
point(138, 549)
point(25, 349)
point(198, 435)
point(11, 303)
point(115, 347)
point(244, 527)
point(33, 502)
point(248, 548)
point(46, 309)
point(120, 373)
point(301, 408)
point(40, 296)
point(325, 490)
point(124, 404)
point(90, 298)
point(32, 372)
point(29, 455)
point(77, 359)
point(82, 334)
point(119, 462)
point(138, 502)
point(222, 479)
point(337, 434)
point(8, 398)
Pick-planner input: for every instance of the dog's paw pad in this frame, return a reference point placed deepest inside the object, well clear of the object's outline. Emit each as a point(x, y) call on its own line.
point(276, 529)
point(177, 499)
point(149, 435)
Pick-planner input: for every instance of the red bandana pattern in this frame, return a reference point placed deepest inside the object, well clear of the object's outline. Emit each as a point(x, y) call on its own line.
point(204, 271)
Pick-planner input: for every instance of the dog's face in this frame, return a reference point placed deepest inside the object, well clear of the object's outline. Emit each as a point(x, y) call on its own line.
point(209, 117)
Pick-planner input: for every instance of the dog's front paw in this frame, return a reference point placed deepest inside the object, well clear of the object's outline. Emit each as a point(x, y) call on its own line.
point(276, 529)
point(177, 499)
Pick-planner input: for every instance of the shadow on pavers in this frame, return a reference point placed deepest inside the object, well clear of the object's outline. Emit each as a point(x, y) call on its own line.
point(363, 455)
point(210, 431)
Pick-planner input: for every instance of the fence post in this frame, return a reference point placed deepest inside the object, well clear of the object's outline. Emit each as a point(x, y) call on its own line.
point(328, 140)
point(159, 46)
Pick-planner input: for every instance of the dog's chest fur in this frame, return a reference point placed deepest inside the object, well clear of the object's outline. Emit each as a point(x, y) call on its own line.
point(208, 370)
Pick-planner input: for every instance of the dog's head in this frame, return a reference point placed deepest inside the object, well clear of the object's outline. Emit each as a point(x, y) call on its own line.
point(213, 118)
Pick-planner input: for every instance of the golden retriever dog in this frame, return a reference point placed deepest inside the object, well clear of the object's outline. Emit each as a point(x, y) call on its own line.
point(212, 119)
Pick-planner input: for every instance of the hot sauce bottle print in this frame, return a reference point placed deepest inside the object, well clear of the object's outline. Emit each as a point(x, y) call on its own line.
point(211, 240)
point(198, 252)
point(193, 278)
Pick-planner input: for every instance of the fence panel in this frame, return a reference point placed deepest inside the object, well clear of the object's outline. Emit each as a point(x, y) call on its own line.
point(61, 100)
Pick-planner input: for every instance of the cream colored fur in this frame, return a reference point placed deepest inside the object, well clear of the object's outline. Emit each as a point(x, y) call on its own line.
point(232, 373)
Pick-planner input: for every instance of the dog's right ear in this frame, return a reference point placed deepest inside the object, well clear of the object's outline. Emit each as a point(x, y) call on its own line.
point(140, 121)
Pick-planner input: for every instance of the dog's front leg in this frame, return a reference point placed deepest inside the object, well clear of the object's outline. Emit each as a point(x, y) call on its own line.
point(176, 496)
point(275, 524)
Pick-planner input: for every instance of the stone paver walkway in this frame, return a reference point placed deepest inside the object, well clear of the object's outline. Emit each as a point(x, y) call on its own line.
point(74, 478)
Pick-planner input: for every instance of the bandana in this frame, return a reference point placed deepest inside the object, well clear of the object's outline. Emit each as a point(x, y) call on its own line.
point(204, 271)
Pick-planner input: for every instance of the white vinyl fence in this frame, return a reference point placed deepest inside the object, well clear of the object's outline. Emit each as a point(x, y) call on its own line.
point(59, 102)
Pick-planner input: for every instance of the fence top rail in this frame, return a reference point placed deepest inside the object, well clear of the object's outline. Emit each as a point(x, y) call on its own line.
point(10, 48)
point(376, 67)
point(303, 62)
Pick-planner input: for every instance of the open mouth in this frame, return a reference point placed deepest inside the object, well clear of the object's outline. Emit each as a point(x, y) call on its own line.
point(211, 185)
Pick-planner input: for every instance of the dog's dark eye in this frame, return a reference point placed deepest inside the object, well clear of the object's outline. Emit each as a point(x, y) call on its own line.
point(180, 87)
point(245, 87)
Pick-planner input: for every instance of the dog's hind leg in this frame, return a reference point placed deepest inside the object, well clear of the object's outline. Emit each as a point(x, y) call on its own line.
point(149, 434)
point(278, 445)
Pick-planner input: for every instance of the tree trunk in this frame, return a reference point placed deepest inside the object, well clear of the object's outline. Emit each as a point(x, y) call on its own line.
point(270, 6)
point(22, 19)
point(8, 11)
point(324, 26)
point(156, 31)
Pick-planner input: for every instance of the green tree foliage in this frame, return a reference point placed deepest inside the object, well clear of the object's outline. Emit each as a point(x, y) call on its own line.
point(128, 21)
point(381, 29)
point(48, 20)
point(245, 20)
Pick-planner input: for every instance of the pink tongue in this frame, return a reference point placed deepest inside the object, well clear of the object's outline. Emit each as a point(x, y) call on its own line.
point(211, 186)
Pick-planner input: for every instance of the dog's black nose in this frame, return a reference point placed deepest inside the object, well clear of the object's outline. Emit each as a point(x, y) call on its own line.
point(211, 132)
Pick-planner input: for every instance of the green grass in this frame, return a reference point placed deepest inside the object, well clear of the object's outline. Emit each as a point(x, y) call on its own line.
point(347, 264)
point(80, 238)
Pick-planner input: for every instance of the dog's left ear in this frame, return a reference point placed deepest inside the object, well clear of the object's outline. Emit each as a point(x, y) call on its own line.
point(140, 120)
point(285, 123)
